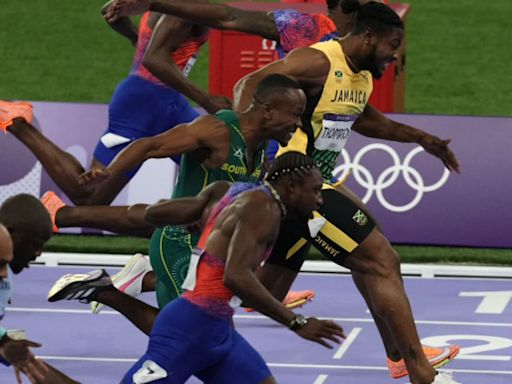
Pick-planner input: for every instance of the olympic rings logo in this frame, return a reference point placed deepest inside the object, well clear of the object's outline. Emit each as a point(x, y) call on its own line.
point(411, 176)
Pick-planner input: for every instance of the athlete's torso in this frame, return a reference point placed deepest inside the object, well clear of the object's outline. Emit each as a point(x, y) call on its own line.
point(330, 114)
point(205, 285)
point(194, 176)
point(184, 56)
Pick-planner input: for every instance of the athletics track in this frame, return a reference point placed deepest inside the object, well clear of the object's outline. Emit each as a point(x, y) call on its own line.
point(475, 313)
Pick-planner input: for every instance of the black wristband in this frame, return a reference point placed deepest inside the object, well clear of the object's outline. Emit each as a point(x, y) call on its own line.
point(297, 322)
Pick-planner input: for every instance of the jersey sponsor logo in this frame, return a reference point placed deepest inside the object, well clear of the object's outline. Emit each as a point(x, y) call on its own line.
point(149, 372)
point(360, 218)
point(349, 96)
point(325, 246)
point(238, 169)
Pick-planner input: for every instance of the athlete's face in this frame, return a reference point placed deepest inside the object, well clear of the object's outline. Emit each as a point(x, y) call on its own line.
point(285, 116)
point(28, 245)
point(308, 196)
point(383, 52)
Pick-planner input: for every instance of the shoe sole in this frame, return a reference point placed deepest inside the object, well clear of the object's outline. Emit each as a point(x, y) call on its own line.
point(439, 364)
point(57, 291)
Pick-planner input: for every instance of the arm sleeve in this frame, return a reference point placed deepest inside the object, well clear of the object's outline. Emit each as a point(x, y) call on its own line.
point(299, 30)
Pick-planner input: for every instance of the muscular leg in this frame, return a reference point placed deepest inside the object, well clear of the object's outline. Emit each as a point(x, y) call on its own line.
point(378, 268)
point(64, 169)
point(120, 219)
point(392, 351)
point(142, 315)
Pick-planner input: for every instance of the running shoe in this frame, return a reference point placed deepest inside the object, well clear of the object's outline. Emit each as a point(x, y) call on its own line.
point(444, 378)
point(52, 203)
point(81, 287)
point(9, 110)
point(294, 299)
point(129, 279)
point(436, 356)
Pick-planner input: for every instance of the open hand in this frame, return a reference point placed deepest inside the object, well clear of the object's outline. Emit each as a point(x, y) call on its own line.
point(123, 8)
point(439, 148)
point(320, 331)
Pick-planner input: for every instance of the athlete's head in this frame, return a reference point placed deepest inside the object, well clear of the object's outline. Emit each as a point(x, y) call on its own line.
point(282, 103)
point(5, 251)
point(298, 182)
point(29, 225)
point(380, 32)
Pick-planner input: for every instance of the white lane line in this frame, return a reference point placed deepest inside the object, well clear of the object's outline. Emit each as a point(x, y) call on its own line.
point(261, 317)
point(276, 365)
point(320, 379)
point(351, 337)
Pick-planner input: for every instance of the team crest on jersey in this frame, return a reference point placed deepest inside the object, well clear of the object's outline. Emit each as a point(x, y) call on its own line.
point(360, 218)
point(338, 75)
point(239, 153)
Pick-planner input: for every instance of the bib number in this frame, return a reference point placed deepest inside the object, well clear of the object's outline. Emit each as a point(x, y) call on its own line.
point(335, 132)
point(190, 280)
point(188, 67)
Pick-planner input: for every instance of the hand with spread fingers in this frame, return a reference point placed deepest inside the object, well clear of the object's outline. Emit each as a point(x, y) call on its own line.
point(321, 330)
point(123, 8)
point(439, 148)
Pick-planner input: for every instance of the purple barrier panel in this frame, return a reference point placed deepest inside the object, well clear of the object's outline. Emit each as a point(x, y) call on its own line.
point(416, 201)
point(407, 190)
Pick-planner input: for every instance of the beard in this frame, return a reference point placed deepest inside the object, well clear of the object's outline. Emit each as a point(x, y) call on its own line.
point(373, 64)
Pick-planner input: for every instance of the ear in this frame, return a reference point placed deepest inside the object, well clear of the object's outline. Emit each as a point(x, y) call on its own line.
point(369, 36)
point(267, 111)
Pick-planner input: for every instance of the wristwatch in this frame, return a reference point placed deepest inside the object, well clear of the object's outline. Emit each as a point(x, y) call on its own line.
point(297, 322)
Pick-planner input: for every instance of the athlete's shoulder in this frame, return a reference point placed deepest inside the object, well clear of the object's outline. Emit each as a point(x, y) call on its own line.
point(227, 115)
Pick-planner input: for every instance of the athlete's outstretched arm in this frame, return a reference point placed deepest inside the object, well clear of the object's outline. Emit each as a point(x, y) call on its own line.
point(256, 228)
point(308, 66)
point(203, 132)
point(168, 35)
point(123, 25)
point(218, 16)
point(373, 123)
point(185, 210)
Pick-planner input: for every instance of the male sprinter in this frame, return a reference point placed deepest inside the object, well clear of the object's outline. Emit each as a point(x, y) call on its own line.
point(287, 28)
point(238, 236)
point(24, 228)
point(227, 146)
point(149, 101)
point(337, 79)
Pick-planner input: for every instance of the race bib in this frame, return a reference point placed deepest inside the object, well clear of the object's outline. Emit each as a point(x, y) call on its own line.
point(188, 67)
point(149, 372)
point(190, 280)
point(335, 132)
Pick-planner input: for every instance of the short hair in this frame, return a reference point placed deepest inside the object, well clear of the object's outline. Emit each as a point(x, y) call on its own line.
point(377, 16)
point(347, 6)
point(273, 86)
point(24, 210)
point(292, 164)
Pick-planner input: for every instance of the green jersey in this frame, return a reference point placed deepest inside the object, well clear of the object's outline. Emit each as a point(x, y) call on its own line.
point(171, 246)
point(194, 177)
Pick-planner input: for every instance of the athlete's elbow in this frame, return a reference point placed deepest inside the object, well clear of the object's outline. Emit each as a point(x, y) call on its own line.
point(233, 281)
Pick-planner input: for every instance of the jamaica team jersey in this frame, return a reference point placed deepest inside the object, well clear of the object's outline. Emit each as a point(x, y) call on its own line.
point(327, 121)
point(194, 176)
